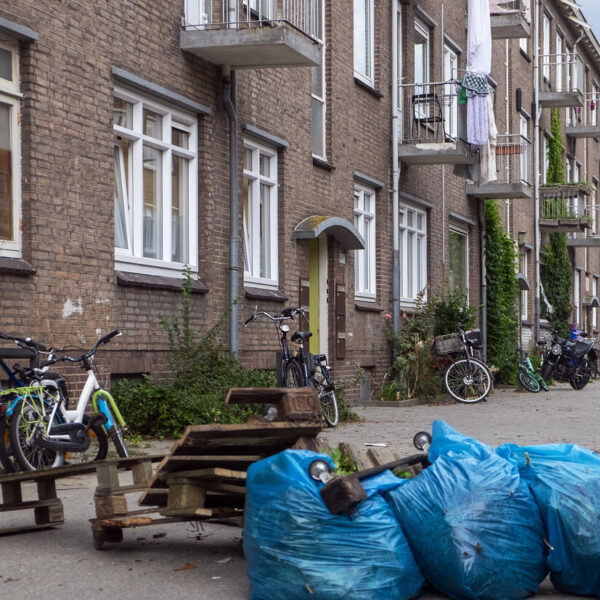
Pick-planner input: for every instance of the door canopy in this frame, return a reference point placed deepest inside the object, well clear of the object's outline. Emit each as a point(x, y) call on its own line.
point(341, 229)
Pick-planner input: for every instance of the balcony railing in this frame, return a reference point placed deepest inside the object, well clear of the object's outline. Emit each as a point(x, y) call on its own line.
point(510, 18)
point(584, 122)
point(302, 15)
point(254, 33)
point(563, 207)
point(591, 237)
point(563, 76)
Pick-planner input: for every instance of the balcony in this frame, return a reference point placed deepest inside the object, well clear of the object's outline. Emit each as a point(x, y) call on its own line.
point(563, 80)
point(563, 208)
point(433, 125)
point(585, 122)
point(591, 237)
point(513, 169)
point(510, 19)
point(253, 34)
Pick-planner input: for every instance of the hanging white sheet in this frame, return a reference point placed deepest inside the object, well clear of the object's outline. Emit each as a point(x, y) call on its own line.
point(479, 38)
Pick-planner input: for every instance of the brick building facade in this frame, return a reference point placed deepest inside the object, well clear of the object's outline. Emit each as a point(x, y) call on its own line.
point(99, 102)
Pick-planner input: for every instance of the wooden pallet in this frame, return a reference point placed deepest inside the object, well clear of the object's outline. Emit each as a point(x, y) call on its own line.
point(48, 508)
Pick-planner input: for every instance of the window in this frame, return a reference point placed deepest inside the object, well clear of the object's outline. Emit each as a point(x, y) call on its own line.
point(10, 151)
point(155, 161)
point(260, 215)
point(413, 252)
point(594, 310)
point(317, 136)
point(559, 61)
point(451, 98)
point(593, 107)
point(523, 44)
point(458, 274)
point(547, 59)
point(364, 41)
point(546, 163)
point(365, 260)
point(524, 293)
point(576, 278)
point(421, 54)
point(523, 166)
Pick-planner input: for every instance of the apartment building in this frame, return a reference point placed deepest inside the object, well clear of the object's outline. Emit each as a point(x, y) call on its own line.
point(317, 158)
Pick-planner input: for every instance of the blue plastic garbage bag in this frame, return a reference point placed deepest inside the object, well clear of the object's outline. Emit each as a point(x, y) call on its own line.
point(296, 549)
point(565, 481)
point(473, 526)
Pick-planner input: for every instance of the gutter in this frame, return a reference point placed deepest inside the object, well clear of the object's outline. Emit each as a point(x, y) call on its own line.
point(229, 92)
point(395, 175)
point(536, 166)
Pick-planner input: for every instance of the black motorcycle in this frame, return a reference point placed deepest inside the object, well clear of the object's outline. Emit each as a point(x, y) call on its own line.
point(568, 360)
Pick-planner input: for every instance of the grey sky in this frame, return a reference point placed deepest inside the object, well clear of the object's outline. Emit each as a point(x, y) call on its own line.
point(591, 10)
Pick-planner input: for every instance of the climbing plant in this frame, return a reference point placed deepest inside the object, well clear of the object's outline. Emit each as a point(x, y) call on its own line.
point(502, 295)
point(555, 271)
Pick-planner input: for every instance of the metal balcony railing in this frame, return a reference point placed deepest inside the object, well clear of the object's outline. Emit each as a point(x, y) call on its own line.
point(564, 201)
point(513, 159)
point(302, 15)
point(432, 113)
point(563, 72)
point(502, 7)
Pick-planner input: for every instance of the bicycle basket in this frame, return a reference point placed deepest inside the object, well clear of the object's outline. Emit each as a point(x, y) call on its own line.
point(473, 337)
point(447, 344)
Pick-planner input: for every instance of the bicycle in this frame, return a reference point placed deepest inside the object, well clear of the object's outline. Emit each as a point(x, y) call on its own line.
point(304, 369)
point(530, 378)
point(42, 422)
point(467, 379)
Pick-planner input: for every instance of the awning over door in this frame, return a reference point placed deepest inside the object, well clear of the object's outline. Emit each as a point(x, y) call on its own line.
point(341, 229)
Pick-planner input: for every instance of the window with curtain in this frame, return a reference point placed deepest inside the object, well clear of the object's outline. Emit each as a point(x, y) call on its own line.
point(458, 272)
point(260, 220)
point(155, 193)
point(365, 261)
point(413, 252)
point(364, 33)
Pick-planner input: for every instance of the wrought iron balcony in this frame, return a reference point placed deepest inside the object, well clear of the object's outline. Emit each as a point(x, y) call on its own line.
point(250, 34)
point(513, 170)
point(591, 237)
point(433, 125)
point(563, 80)
point(563, 208)
point(510, 19)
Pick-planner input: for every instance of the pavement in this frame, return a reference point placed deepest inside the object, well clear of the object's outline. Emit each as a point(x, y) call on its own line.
point(184, 560)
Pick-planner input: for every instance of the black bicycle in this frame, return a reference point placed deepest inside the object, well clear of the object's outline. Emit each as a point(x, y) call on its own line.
point(304, 369)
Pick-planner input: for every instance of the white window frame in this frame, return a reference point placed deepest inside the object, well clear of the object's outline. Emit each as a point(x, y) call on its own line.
point(593, 120)
point(365, 284)
point(594, 310)
point(523, 266)
point(364, 30)
point(318, 128)
point(456, 229)
point(451, 100)
point(132, 258)
point(523, 44)
point(545, 162)
point(251, 222)
point(576, 295)
point(10, 95)
point(413, 253)
point(523, 163)
point(546, 48)
point(559, 51)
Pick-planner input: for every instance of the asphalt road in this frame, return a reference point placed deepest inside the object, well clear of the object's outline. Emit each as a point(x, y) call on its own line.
point(177, 561)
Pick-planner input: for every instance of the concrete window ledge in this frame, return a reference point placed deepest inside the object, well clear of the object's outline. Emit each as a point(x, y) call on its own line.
point(368, 306)
point(16, 266)
point(254, 293)
point(156, 282)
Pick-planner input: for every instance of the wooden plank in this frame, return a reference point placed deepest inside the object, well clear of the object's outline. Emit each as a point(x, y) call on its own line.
point(186, 494)
point(380, 456)
point(109, 506)
point(29, 504)
point(218, 512)
point(122, 489)
point(360, 458)
point(254, 395)
point(209, 474)
point(182, 462)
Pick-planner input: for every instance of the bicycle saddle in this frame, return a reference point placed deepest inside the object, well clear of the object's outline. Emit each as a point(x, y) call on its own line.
point(301, 335)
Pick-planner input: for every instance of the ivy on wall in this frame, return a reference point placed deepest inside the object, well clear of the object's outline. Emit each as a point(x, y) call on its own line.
point(555, 271)
point(502, 295)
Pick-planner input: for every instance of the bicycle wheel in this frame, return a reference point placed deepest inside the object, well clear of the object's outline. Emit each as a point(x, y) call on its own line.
point(97, 449)
point(28, 417)
point(528, 380)
point(582, 375)
point(292, 376)
point(327, 398)
point(468, 381)
point(118, 439)
point(542, 381)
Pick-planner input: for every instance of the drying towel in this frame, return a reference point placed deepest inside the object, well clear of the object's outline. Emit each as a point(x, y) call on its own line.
point(477, 120)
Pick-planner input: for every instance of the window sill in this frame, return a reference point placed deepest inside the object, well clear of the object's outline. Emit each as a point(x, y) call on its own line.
point(368, 88)
point(16, 266)
point(525, 55)
point(254, 293)
point(156, 282)
point(526, 323)
point(323, 164)
point(367, 306)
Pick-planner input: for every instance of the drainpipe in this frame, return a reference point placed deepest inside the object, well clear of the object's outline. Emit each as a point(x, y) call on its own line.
point(482, 232)
point(229, 88)
point(536, 164)
point(395, 175)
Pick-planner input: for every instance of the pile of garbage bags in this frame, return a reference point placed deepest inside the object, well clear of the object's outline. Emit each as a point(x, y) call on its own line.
point(477, 523)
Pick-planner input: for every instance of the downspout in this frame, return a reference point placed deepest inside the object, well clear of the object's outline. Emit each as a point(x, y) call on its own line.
point(536, 165)
point(229, 89)
point(395, 174)
point(482, 233)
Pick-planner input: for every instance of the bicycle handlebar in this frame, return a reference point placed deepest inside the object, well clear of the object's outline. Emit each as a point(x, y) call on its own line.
point(27, 342)
point(286, 315)
point(85, 355)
